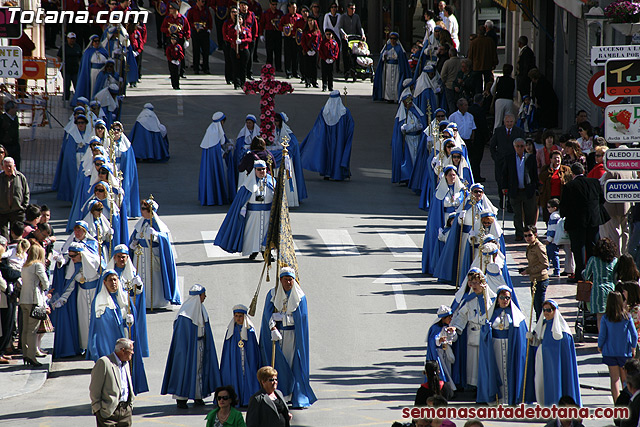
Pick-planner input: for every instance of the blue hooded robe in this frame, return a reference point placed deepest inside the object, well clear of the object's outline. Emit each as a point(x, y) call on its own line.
point(126, 163)
point(212, 184)
point(149, 145)
point(65, 318)
point(64, 181)
point(84, 74)
point(401, 163)
point(404, 71)
point(291, 380)
point(294, 150)
point(327, 149)
point(432, 347)
point(242, 378)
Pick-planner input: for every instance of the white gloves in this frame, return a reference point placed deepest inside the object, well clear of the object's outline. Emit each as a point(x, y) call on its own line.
point(329, 61)
point(277, 317)
point(175, 62)
point(238, 41)
point(403, 128)
point(275, 335)
point(129, 319)
point(530, 335)
point(135, 54)
point(311, 52)
point(117, 51)
point(59, 303)
point(262, 39)
point(438, 89)
point(186, 44)
point(243, 211)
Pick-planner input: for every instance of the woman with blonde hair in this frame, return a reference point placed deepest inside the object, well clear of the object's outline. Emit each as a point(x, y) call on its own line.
point(34, 285)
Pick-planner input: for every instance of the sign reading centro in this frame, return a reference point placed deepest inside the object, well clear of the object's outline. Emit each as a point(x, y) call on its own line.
point(622, 190)
point(622, 159)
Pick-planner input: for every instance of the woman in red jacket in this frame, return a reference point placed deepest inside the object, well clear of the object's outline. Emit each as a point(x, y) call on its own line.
point(239, 44)
point(329, 51)
point(311, 39)
point(175, 55)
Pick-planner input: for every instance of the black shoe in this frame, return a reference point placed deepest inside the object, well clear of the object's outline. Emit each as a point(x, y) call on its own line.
point(324, 88)
point(295, 75)
point(253, 256)
point(183, 76)
point(307, 85)
point(199, 402)
point(31, 362)
point(182, 404)
point(315, 85)
point(288, 75)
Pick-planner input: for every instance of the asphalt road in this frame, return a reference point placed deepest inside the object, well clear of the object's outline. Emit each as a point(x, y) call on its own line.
point(358, 246)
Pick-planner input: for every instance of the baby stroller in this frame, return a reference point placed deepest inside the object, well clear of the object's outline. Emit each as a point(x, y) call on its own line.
point(585, 321)
point(361, 60)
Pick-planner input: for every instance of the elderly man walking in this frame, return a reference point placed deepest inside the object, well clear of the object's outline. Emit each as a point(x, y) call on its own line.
point(111, 388)
point(14, 195)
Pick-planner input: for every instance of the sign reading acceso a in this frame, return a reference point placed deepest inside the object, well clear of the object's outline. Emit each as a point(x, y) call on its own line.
point(622, 123)
point(621, 190)
point(600, 54)
point(10, 61)
point(622, 159)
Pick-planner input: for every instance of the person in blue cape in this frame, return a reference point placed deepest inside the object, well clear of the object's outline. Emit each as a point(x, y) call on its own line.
point(407, 137)
point(327, 147)
point(440, 339)
point(555, 371)
point(155, 257)
point(429, 180)
point(214, 187)
point(249, 131)
point(469, 319)
point(112, 318)
point(449, 195)
point(149, 137)
point(391, 71)
point(132, 283)
point(506, 349)
point(244, 229)
point(88, 172)
point(74, 145)
point(81, 235)
point(459, 160)
point(75, 281)
point(110, 103)
point(97, 112)
point(106, 77)
point(192, 370)
point(115, 215)
point(126, 162)
point(427, 91)
point(295, 186)
point(93, 60)
point(240, 359)
point(285, 325)
point(99, 229)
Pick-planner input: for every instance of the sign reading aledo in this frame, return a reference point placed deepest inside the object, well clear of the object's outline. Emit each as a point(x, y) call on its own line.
point(622, 190)
point(10, 61)
point(622, 159)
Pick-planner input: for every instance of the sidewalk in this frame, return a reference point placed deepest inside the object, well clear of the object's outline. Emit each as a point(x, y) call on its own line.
point(19, 379)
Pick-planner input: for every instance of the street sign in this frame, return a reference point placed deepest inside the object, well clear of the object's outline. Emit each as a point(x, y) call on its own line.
point(622, 190)
point(622, 159)
point(622, 123)
point(623, 77)
point(600, 54)
point(34, 69)
point(598, 93)
point(9, 29)
point(10, 61)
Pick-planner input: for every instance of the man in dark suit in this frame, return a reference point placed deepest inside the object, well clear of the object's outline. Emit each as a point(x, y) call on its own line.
point(111, 398)
point(633, 384)
point(582, 206)
point(501, 146)
point(10, 131)
point(526, 62)
point(481, 135)
point(520, 179)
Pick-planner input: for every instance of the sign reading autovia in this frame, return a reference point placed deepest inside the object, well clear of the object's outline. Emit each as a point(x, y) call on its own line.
point(621, 190)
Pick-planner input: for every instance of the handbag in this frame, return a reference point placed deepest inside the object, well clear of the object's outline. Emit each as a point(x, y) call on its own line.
point(583, 291)
point(561, 237)
point(39, 310)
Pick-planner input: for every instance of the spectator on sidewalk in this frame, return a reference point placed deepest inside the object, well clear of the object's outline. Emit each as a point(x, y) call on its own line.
point(549, 145)
point(633, 385)
point(501, 146)
point(14, 195)
point(503, 91)
point(71, 66)
point(10, 131)
point(617, 340)
point(600, 270)
point(573, 154)
point(581, 116)
point(491, 31)
point(482, 133)
point(586, 137)
point(350, 25)
point(520, 179)
point(450, 70)
point(545, 98)
point(553, 178)
point(631, 367)
point(582, 207)
point(484, 56)
point(598, 169)
point(537, 267)
point(452, 25)
point(525, 63)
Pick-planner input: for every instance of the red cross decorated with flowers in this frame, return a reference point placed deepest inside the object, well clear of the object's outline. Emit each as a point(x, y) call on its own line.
point(268, 88)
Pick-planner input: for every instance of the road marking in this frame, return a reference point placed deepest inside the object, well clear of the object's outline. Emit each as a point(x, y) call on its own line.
point(213, 251)
point(180, 104)
point(395, 279)
point(339, 242)
point(400, 245)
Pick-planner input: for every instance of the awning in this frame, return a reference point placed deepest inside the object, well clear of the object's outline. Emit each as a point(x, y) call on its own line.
point(574, 7)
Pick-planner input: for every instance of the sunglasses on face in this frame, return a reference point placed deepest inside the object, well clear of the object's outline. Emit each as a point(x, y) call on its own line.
point(99, 190)
point(224, 397)
point(440, 116)
point(117, 130)
point(456, 157)
point(273, 380)
point(98, 210)
point(548, 310)
point(528, 235)
point(504, 298)
point(478, 191)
